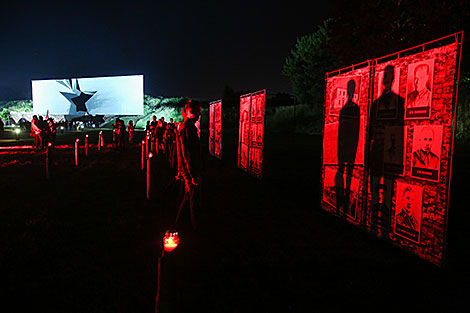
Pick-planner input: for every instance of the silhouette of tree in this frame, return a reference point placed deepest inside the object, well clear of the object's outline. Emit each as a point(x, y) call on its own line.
point(367, 29)
point(307, 64)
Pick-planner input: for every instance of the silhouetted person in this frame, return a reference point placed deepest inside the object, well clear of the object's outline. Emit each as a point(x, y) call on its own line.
point(44, 131)
point(147, 126)
point(153, 132)
point(190, 162)
point(121, 133)
point(51, 131)
point(115, 131)
point(130, 131)
point(1, 127)
point(348, 137)
point(386, 110)
point(170, 145)
point(159, 132)
point(36, 133)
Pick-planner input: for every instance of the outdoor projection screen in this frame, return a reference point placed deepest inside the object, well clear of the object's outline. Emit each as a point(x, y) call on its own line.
point(117, 95)
point(387, 145)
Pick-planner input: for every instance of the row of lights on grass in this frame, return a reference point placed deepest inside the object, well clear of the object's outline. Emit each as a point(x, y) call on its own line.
point(171, 239)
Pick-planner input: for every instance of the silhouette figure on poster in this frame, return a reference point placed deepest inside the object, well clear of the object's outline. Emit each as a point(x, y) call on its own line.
point(380, 210)
point(387, 110)
point(348, 138)
point(392, 154)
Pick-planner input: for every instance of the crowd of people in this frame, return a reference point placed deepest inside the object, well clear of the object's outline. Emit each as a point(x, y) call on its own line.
point(179, 143)
point(43, 131)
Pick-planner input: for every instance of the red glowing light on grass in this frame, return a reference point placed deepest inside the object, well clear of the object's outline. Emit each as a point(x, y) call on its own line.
point(170, 241)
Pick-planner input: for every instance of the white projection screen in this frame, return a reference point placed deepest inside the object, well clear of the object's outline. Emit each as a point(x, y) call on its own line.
point(115, 95)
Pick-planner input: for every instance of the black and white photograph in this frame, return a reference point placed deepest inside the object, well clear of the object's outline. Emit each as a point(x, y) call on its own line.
point(426, 155)
point(419, 89)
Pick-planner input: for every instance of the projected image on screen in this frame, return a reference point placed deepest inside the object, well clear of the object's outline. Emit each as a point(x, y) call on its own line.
point(119, 95)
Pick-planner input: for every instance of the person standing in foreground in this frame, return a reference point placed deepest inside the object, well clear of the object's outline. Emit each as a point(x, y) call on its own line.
point(190, 161)
point(36, 133)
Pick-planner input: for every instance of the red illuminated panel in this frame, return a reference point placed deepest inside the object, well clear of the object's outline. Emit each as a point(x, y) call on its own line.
point(211, 129)
point(215, 129)
point(257, 132)
point(251, 133)
point(344, 133)
point(244, 132)
point(396, 184)
point(218, 129)
point(345, 120)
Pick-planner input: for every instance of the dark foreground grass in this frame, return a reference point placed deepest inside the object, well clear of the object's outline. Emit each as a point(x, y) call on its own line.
point(86, 240)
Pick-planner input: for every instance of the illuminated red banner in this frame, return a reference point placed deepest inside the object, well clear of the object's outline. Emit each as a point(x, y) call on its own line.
point(251, 133)
point(395, 184)
point(215, 129)
point(345, 127)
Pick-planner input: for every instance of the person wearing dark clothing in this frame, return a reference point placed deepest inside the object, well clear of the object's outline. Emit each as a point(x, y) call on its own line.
point(170, 145)
point(51, 131)
point(121, 133)
point(36, 133)
point(44, 131)
point(1, 127)
point(130, 131)
point(159, 132)
point(153, 133)
point(115, 131)
point(190, 162)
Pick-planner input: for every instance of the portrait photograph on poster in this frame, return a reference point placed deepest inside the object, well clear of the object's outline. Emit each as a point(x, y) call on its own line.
point(381, 202)
point(426, 155)
point(409, 200)
point(419, 89)
point(389, 104)
point(394, 147)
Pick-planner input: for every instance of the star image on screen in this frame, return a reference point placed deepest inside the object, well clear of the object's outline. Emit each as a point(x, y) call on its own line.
point(112, 95)
point(77, 97)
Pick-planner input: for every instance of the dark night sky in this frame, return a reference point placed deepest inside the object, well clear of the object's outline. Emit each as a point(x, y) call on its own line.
point(183, 48)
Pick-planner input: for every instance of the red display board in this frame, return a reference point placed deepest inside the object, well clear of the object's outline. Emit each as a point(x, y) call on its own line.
point(346, 108)
point(251, 131)
point(386, 164)
point(215, 129)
